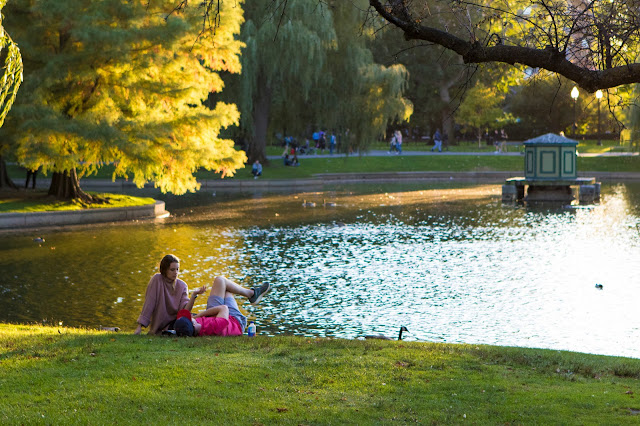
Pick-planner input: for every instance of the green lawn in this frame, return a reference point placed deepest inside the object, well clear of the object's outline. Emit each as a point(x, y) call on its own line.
point(58, 375)
point(310, 166)
point(39, 201)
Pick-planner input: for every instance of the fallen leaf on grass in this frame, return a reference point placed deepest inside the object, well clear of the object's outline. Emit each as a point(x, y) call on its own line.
point(282, 410)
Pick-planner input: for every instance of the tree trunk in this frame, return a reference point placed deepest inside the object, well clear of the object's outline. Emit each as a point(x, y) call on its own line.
point(447, 116)
point(261, 108)
point(445, 96)
point(5, 180)
point(66, 186)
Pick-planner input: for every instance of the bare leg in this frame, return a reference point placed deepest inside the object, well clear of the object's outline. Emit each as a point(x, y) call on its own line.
point(224, 287)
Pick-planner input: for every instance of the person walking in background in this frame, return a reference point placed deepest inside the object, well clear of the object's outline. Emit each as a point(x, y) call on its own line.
point(332, 143)
point(322, 143)
point(31, 175)
point(392, 144)
point(398, 135)
point(437, 141)
point(256, 169)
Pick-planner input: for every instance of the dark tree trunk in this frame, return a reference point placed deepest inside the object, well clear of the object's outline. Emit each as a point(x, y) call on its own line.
point(261, 109)
point(66, 186)
point(5, 180)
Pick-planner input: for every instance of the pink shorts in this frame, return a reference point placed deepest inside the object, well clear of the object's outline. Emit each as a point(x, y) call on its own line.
point(215, 326)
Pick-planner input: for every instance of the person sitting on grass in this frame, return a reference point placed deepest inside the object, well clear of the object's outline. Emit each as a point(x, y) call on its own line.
point(166, 294)
point(222, 316)
point(256, 169)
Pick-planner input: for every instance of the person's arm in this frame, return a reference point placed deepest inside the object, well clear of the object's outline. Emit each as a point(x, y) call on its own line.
point(192, 299)
point(148, 307)
point(216, 311)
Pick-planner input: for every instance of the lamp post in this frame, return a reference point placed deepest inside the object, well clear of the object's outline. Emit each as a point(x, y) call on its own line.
point(599, 96)
point(574, 95)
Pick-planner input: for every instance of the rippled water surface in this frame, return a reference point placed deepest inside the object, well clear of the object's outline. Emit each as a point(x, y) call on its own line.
point(450, 263)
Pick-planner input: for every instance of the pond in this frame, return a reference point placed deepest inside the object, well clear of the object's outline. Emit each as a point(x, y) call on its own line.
point(448, 261)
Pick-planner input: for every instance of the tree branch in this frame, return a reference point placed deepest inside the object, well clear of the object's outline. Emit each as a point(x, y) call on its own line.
point(550, 58)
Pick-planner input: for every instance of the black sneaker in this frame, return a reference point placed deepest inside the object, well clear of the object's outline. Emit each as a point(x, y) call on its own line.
point(258, 292)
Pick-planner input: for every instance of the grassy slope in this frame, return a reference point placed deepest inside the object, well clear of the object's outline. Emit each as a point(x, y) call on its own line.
point(38, 201)
point(58, 375)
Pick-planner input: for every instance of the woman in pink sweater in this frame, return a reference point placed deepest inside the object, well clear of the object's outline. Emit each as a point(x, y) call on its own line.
point(165, 296)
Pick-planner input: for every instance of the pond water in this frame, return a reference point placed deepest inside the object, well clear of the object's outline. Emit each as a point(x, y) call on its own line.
point(449, 262)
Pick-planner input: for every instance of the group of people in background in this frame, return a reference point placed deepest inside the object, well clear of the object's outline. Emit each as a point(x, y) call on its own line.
point(395, 145)
point(320, 139)
point(498, 139)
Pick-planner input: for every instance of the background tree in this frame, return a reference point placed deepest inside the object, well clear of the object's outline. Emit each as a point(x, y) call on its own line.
point(10, 80)
point(361, 97)
point(284, 58)
point(593, 43)
point(307, 67)
point(482, 109)
point(123, 83)
point(435, 79)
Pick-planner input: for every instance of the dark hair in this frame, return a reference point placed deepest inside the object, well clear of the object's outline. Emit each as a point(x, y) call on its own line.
point(184, 327)
point(166, 262)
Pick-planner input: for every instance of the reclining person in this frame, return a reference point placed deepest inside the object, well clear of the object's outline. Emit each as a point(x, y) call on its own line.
point(222, 316)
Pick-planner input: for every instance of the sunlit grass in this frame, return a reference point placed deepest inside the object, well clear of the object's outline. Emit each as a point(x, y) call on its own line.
point(39, 201)
point(59, 375)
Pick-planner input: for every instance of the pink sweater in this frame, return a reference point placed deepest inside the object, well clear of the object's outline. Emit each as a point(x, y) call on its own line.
point(162, 303)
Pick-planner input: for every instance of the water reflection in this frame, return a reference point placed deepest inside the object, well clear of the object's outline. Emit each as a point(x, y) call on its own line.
point(448, 262)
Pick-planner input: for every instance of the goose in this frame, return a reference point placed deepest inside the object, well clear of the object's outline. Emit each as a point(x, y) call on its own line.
point(306, 203)
point(328, 204)
point(381, 337)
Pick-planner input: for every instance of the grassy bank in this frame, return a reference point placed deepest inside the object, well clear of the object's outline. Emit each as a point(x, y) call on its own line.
point(39, 201)
point(51, 375)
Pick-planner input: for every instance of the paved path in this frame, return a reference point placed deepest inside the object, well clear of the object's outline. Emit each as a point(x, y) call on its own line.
point(381, 153)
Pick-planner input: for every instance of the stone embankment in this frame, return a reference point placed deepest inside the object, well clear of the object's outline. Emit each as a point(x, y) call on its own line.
point(157, 210)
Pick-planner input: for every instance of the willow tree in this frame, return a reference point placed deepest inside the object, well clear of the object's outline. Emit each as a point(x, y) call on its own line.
point(283, 60)
point(363, 97)
point(123, 83)
point(10, 79)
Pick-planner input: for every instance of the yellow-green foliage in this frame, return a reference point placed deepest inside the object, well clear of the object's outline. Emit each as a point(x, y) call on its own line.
point(127, 83)
point(11, 76)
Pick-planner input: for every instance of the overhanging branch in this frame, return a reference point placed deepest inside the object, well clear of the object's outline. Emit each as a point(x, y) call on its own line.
point(473, 52)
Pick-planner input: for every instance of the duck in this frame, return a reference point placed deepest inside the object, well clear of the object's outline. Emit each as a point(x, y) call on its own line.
point(599, 286)
point(306, 203)
point(381, 337)
point(328, 204)
point(38, 240)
